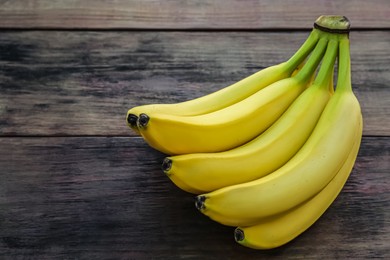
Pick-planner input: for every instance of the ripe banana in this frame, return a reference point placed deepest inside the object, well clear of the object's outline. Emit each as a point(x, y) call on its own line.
point(231, 94)
point(281, 229)
point(206, 172)
point(183, 185)
point(307, 173)
point(231, 126)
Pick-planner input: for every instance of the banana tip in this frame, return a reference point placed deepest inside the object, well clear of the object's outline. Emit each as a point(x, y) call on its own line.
point(199, 202)
point(239, 235)
point(132, 120)
point(166, 165)
point(143, 120)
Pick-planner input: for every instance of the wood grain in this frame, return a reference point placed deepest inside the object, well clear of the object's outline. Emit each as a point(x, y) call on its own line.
point(175, 14)
point(75, 182)
point(83, 83)
point(86, 197)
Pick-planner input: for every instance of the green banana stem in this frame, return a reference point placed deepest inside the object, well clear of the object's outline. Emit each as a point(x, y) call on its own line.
point(344, 70)
point(314, 60)
point(326, 71)
point(301, 54)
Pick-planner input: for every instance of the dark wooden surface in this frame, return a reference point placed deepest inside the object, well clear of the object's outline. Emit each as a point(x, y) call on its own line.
point(188, 14)
point(76, 183)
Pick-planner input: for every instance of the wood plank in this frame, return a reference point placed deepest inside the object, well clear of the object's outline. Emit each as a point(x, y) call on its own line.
point(83, 83)
point(208, 14)
point(73, 197)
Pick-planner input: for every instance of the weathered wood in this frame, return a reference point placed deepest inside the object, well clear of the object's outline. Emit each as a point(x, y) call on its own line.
point(168, 14)
point(86, 188)
point(83, 83)
point(83, 198)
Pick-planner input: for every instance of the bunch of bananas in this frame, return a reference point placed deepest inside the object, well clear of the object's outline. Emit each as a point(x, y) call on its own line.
point(270, 153)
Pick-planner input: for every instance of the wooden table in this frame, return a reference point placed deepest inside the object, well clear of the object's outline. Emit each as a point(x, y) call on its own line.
point(76, 183)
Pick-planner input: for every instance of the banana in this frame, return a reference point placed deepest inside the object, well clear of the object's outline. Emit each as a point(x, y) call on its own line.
point(283, 228)
point(231, 126)
point(307, 173)
point(210, 171)
point(231, 94)
point(184, 186)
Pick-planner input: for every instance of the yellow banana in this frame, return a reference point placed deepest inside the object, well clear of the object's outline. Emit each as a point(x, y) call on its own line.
point(281, 229)
point(231, 126)
point(210, 171)
point(182, 185)
point(231, 94)
point(307, 173)
point(186, 187)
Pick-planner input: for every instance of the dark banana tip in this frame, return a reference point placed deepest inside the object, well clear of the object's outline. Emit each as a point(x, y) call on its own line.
point(199, 202)
point(132, 120)
point(166, 164)
point(143, 120)
point(239, 234)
